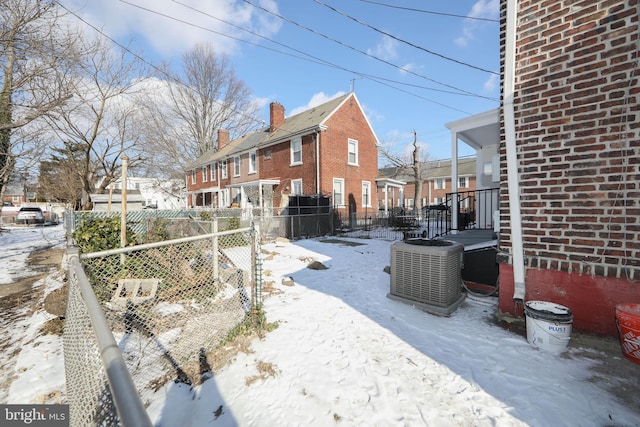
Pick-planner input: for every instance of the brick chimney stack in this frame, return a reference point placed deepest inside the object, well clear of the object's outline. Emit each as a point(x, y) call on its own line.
point(223, 138)
point(276, 116)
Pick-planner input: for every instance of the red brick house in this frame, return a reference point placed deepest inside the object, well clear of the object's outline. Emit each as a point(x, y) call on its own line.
point(570, 157)
point(437, 183)
point(328, 150)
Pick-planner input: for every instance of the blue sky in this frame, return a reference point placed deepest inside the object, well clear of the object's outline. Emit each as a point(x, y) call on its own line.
point(412, 65)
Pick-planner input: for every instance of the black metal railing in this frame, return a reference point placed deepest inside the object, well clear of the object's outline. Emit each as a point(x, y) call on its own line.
point(475, 209)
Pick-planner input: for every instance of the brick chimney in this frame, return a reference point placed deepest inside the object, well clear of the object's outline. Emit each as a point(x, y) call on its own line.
point(276, 116)
point(223, 138)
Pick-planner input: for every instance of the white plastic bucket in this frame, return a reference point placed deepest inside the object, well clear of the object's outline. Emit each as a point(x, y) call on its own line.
point(548, 325)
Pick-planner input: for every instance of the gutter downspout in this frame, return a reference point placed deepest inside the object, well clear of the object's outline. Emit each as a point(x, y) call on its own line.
point(317, 162)
point(512, 155)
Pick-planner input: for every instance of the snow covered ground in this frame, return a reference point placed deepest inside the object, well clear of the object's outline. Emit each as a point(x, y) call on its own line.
point(345, 354)
point(31, 363)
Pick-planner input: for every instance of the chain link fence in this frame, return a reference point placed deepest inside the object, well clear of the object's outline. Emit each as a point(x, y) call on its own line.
point(169, 306)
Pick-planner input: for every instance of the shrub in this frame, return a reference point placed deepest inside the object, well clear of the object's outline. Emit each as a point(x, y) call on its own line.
point(99, 234)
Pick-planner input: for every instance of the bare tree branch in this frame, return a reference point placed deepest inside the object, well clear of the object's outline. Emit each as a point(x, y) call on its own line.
point(185, 112)
point(102, 117)
point(33, 45)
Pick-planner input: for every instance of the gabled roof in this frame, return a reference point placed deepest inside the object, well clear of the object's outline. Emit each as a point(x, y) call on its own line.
point(433, 169)
point(308, 121)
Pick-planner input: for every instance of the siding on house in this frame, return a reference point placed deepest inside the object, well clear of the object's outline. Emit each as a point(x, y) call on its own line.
point(576, 118)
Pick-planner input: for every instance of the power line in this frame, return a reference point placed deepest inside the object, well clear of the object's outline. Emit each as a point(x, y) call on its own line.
point(155, 67)
point(361, 51)
point(431, 12)
point(317, 60)
point(439, 55)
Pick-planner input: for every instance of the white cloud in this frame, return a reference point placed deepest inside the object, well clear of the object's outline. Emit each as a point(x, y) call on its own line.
point(174, 28)
point(317, 99)
point(480, 9)
point(410, 67)
point(386, 49)
point(492, 82)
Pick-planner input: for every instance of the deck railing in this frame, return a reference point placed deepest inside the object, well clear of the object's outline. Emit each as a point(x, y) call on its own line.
point(475, 209)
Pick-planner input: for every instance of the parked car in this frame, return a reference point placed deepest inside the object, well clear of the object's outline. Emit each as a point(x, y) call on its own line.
point(30, 215)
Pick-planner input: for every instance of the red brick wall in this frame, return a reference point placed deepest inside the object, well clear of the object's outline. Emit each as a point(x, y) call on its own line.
point(279, 167)
point(429, 192)
point(349, 122)
point(577, 135)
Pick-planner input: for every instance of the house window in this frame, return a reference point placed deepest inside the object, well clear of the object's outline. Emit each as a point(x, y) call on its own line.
point(213, 171)
point(205, 173)
point(366, 194)
point(224, 197)
point(352, 155)
point(439, 184)
point(438, 200)
point(296, 187)
point(296, 151)
point(236, 166)
point(267, 154)
point(338, 192)
point(252, 162)
point(463, 182)
point(408, 203)
point(193, 176)
point(223, 169)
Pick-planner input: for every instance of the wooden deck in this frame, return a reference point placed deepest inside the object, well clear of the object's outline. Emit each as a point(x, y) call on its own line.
point(473, 238)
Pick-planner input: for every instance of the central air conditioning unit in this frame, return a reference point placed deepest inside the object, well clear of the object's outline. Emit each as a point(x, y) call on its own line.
point(427, 274)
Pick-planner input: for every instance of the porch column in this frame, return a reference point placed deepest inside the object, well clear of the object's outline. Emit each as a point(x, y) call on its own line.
point(386, 199)
point(454, 182)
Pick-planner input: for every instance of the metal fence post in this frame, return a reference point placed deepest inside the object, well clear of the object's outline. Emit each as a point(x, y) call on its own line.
point(256, 266)
point(216, 264)
point(125, 396)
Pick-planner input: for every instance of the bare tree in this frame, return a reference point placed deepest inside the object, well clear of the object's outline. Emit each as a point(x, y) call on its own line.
point(417, 174)
point(187, 109)
point(33, 44)
point(413, 167)
point(101, 121)
point(58, 180)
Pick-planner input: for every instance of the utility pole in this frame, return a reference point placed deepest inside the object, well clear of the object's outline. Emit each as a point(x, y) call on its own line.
point(123, 203)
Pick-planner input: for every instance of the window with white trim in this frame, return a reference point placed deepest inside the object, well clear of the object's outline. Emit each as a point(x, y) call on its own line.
point(463, 182)
point(439, 183)
point(224, 197)
point(205, 173)
point(214, 167)
point(296, 187)
point(296, 151)
point(366, 194)
point(236, 166)
point(223, 169)
point(352, 155)
point(338, 192)
point(252, 162)
point(193, 176)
